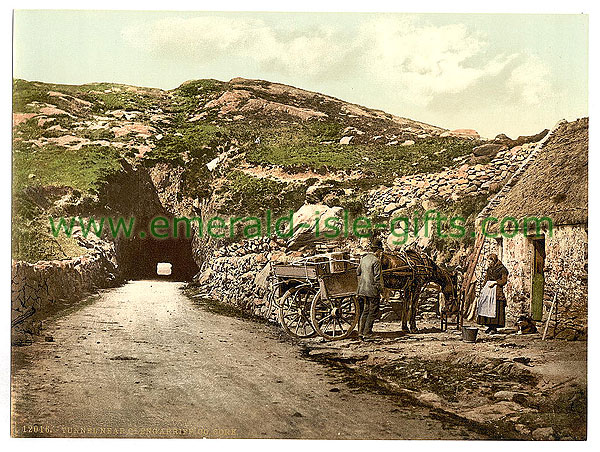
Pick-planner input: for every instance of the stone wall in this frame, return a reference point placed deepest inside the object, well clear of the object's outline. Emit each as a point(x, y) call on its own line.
point(40, 289)
point(237, 273)
point(453, 183)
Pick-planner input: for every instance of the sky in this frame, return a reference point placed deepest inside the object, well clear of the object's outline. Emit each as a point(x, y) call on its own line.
point(495, 73)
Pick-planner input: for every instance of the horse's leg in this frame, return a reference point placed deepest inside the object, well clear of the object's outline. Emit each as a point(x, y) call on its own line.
point(405, 309)
point(414, 305)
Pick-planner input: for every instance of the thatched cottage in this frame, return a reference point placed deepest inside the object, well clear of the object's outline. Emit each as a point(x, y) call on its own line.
point(548, 260)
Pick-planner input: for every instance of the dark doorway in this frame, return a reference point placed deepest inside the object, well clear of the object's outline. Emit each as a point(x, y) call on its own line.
point(537, 278)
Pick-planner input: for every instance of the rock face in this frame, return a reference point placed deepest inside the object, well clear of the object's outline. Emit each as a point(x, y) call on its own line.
point(543, 434)
point(462, 133)
point(523, 139)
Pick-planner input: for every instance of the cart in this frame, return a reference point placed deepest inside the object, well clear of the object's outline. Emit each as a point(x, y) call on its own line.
point(317, 296)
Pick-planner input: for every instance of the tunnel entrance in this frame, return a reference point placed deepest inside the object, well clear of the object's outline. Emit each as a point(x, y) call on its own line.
point(131, 193)
point(142, 258)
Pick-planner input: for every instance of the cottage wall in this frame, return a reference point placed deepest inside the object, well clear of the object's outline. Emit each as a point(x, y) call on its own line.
point(565, 272)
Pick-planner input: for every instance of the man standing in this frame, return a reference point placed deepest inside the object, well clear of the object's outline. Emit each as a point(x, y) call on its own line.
point(496, 276)
point(369, 288)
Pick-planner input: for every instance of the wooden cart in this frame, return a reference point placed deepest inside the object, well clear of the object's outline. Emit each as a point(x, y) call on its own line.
point(317, 295)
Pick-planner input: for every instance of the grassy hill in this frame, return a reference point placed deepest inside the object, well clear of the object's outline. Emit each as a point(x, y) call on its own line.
point(68, 140)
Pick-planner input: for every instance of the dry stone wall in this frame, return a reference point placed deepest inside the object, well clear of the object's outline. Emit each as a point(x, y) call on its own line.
point(237, 273)
point(452, 183)
point(38, 289)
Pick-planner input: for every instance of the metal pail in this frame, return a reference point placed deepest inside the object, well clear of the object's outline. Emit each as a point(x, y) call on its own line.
point(469, 333)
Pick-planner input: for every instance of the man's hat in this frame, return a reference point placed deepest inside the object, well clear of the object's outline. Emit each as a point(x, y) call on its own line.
point(376, 244)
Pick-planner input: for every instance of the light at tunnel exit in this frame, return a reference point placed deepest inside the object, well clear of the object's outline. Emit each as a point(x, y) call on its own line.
point(164, 268)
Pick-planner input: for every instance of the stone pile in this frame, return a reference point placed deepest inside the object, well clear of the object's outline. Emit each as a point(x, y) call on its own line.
point(452, 183)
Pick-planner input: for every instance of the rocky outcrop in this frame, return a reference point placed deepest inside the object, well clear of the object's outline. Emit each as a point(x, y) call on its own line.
point(488, 149)
point(523, 139)
point(462, 133)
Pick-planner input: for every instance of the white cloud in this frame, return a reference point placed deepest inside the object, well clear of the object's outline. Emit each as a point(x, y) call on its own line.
point(417, 63)
point(530, 82)
point(426, 61)
point(212, 38)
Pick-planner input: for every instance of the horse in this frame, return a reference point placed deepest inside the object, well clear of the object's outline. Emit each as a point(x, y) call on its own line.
point(409, 272)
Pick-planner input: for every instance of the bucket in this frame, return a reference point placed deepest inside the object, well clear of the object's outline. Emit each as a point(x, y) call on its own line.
point(469, 334)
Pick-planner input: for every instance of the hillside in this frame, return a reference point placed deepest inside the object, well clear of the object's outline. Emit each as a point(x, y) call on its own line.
point(259, 140)
point(233, 148)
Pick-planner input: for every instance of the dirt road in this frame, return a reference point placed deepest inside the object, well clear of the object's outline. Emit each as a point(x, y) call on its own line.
point(144, 360)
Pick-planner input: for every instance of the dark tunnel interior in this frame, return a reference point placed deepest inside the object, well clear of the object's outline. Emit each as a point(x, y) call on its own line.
point(139, 258)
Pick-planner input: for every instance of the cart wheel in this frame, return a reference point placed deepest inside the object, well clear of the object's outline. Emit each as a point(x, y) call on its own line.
point(334, 318)
point(294, 311)
point(270, 305)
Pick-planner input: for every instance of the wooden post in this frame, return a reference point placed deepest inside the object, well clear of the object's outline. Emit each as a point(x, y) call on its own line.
point(466, 286)
point(549, 315)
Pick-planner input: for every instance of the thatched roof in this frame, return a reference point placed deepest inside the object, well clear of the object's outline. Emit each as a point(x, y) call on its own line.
point(556, 183)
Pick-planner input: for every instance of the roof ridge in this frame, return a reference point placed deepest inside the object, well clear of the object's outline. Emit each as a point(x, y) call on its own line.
point(497, 199)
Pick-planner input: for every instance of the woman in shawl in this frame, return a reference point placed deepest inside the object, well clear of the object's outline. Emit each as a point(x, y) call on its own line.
point(498, 274)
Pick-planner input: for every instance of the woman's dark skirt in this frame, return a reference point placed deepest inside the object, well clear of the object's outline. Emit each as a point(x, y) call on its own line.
point(497, 321)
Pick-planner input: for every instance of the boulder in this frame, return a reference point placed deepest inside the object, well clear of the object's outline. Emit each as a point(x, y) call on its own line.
point(212, 165)
point(305, 220)
point(430, 398)
point(488, 149)
point(502, 138)
point(461, 133)
point(531, 138)
point(543, 434)
point(346, 140)
point(511, 396)
point(523, 139)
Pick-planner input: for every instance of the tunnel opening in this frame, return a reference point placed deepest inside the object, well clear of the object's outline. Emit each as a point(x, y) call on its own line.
point(131, 193)
point(164, 269)
point(142, 258)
